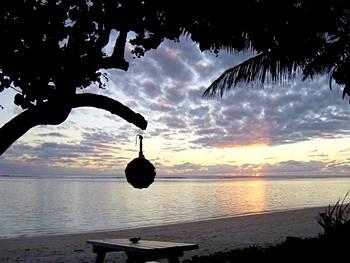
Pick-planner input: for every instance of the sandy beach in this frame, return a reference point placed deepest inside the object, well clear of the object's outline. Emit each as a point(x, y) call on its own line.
point(211, 236)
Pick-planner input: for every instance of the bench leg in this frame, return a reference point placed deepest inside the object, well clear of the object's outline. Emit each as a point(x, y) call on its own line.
point(100, 257)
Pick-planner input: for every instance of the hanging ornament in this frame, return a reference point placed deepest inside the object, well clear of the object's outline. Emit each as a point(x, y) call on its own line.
point(140, 172)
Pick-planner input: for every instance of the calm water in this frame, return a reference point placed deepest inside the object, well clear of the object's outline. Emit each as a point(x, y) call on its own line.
point(47, 206)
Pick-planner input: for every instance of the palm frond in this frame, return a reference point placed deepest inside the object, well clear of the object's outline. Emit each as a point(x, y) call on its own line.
point(327, 58)
point(264, 67)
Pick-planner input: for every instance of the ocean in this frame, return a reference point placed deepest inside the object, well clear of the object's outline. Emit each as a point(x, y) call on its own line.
point(41, 206)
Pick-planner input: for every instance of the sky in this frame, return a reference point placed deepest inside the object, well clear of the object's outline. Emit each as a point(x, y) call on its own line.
point(298, 129)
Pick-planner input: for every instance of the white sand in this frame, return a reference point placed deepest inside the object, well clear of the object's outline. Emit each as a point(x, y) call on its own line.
point(211, 236)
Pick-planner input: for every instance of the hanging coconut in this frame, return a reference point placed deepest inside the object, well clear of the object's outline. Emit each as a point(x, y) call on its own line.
point(140, 172)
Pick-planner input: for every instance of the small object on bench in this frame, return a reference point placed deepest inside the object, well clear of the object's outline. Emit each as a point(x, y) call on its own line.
point(141, 251)
point(134, 240)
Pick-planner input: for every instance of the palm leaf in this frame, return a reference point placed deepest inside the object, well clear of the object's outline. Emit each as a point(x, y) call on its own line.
point(327, 58)
point(264, 67)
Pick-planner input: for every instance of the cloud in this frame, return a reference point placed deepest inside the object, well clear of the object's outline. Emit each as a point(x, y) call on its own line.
point(173, 122)
point(53, 134)
point(171, 65)
point(318, 155)
point(93, 136)
point(302, 112)
point(95, 155)
point(166, 86)
point(187, 166)
point(161, 105)
point(174, 94)
point(99, 151)
point(280, 169)
point(150, 88)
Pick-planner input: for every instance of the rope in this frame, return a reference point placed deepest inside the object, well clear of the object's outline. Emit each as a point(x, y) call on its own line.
point(140, 152)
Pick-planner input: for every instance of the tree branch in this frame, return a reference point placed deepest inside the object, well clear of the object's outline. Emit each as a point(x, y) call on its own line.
point(54, 113)
point(16, 128)
point(111, 105)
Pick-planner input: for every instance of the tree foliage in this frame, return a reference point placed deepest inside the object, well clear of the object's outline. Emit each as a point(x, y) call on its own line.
point(300, 37)
point(52, 48)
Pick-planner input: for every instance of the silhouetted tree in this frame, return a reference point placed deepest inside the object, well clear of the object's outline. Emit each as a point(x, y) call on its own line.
point(49, 49)
point(300, 38)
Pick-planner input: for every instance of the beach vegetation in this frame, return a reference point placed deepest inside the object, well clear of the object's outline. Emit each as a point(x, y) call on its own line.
point(335, 220)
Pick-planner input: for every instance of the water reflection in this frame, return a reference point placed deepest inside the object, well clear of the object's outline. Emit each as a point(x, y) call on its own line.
point(36, 206)
point(254, 196)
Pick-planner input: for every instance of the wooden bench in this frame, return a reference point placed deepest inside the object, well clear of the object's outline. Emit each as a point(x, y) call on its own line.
point(142, 251)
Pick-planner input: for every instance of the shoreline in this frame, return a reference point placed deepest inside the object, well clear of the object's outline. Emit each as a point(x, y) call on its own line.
point(212, 235)
point(131, 228)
